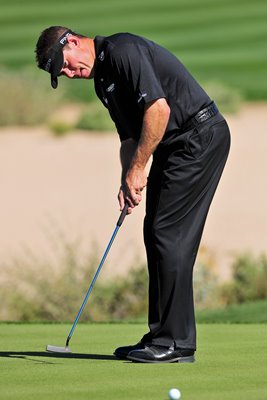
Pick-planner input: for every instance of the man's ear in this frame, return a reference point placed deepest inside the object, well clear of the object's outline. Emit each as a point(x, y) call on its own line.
point(73, 41)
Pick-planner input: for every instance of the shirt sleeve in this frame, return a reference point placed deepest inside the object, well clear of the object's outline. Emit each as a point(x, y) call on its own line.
point(134, 64)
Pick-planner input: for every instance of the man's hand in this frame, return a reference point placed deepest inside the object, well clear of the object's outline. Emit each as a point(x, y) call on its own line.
point(136, 181)
point(134, 156)
point(131, 190)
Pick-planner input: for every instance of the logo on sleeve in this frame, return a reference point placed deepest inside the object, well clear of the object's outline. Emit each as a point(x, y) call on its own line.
point(142, 95)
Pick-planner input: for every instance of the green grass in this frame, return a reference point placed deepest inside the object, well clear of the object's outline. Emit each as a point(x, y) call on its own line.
point(221, 40)
point(231, 364)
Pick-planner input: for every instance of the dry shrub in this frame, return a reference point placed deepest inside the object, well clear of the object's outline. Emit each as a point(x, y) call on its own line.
point(32, 289)
point(26, 98)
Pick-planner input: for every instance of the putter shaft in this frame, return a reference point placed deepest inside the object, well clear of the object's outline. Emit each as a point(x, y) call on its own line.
point(119, 223)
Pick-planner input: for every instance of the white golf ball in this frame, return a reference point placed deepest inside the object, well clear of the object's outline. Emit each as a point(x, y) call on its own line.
point(174, 394)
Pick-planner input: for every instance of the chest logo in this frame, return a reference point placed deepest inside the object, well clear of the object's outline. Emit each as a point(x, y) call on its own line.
point(101, 56)
point(110, 88)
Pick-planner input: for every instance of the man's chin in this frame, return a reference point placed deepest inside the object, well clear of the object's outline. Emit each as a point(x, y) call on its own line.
point(84, 74)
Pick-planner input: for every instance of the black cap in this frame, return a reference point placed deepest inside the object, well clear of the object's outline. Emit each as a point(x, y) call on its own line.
point(53, 62)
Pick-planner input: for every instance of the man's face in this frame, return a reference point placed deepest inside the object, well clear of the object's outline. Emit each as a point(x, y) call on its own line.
point(78, 59)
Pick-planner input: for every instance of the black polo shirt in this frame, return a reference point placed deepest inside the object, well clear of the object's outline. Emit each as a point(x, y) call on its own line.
point(131, 71)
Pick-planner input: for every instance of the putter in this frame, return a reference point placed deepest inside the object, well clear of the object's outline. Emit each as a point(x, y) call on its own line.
point(66, 349)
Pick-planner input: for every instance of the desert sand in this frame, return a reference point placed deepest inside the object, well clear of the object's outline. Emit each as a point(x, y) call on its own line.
point(67, 187)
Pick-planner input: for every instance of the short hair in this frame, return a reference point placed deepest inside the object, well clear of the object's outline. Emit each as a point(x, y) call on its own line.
point(46, 40)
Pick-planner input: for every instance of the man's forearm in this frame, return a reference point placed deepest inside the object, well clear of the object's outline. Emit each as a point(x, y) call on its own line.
point(134, 156)
point(155, 121)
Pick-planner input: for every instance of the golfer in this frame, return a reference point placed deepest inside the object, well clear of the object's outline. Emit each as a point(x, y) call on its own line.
point(161, 111)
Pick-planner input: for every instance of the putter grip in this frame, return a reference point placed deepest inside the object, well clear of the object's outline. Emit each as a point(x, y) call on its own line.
point(123, 215)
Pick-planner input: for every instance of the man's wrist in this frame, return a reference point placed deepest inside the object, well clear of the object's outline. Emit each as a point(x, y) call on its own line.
point(137, 165)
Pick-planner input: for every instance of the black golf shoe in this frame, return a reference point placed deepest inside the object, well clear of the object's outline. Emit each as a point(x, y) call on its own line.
point(122, 352)
point(161, 354)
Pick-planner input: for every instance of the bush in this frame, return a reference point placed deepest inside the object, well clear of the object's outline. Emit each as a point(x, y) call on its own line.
point(60, 128)
point(95, 118)
point(227, 99)
point(122, 298)
point(26, 98)
point(34, 289)
point(249, 281)
point(48, 290)
point(205, 280)
point(79, 91)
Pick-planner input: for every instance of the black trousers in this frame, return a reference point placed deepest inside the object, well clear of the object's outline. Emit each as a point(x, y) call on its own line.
point(181, 184)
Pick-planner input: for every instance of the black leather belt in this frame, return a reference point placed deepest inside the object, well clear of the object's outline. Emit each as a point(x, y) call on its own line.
point(202, 116)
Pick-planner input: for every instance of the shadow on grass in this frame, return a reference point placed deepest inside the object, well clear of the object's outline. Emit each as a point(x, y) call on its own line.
point(27, 355)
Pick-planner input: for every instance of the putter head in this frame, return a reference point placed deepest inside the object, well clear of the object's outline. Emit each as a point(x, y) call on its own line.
point(57, 349)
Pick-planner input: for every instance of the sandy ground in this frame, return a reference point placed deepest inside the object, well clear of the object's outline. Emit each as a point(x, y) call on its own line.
point(67, 187)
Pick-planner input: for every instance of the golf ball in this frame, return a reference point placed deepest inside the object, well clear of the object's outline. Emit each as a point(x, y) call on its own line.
point(174, 394)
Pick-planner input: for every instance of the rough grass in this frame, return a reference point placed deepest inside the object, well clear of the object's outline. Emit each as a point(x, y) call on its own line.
point(231, 364)
point(251, 312)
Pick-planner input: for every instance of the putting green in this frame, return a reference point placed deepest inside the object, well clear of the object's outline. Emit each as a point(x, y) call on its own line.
point(231, 364)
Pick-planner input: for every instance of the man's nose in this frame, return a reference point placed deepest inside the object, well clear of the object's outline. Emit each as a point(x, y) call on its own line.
point(67, 72)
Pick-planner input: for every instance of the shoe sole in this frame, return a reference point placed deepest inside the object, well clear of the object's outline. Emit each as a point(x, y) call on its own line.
point(188, 359)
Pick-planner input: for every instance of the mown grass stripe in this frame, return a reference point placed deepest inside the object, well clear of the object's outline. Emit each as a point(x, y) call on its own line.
point(156, 14)
point(227, 36)
point(105, 5)
point(172, 35)
point(173, 39)
point(215, 29)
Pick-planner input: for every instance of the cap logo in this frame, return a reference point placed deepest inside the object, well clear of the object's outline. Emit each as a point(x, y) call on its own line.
point(48, 64)
point(64, 39)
